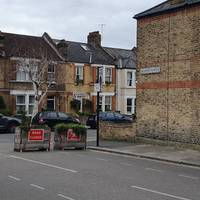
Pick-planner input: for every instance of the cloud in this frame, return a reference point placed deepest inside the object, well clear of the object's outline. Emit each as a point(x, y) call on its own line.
point(74, 19)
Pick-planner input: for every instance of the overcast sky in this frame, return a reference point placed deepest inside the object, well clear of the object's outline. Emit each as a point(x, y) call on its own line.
point(74, 19)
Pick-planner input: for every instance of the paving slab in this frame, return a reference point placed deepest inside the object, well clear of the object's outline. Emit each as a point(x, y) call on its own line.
point(158, 152)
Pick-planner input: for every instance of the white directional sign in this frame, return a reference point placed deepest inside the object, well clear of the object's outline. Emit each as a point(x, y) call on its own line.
point(150, 70)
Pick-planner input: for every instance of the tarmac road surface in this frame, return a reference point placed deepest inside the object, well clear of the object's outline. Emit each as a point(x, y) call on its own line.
point(91, 175)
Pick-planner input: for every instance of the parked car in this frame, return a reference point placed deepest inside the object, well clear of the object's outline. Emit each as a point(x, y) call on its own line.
point(91, 121)
point(52, 118)
point(107, 116)
point(8, 124)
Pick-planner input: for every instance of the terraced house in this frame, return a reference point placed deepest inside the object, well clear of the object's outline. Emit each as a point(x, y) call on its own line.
point(125, 61)
point(71, 74)
point(83, 61)
point(118, 70)
point(15, 84)
point(168, 71)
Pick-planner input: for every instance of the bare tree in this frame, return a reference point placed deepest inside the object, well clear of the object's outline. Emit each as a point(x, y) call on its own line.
point(33, 56)
point(37, 72)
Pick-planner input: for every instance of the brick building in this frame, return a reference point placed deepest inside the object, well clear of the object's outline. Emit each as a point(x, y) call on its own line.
point(83, 60)
point(168, 71)
point(15, 85)
point(72, 67)
point(125, 61)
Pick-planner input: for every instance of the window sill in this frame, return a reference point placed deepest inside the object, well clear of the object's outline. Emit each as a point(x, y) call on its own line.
point(79, 82)
point(133, 86)
point(20, 81)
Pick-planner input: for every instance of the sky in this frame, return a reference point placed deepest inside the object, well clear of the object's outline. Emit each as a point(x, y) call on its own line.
point(73, 19)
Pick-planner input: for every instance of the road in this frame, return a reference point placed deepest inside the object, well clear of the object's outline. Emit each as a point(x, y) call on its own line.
point(91, 175)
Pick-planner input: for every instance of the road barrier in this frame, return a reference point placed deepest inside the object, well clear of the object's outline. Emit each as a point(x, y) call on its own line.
point(68, 138)
point(34, 138)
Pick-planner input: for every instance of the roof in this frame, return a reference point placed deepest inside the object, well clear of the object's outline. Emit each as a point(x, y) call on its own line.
point(166, 7)
point(16, 45)
point(127, 57)
point(86, 53)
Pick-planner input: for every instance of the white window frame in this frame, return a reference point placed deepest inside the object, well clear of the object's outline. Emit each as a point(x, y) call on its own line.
point(21, 104)
point(102, 102)
point(133, 79)
point(109, 77)
point(26, 103)
point(110, 103)
point(80, 96)
point(22, 75)
point(79, 75)
point(51, 73)
point(30, 104)
point(132, 105)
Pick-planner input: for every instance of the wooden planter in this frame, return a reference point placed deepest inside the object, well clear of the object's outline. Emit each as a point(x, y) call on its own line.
point(33, 138)
point(69, 139)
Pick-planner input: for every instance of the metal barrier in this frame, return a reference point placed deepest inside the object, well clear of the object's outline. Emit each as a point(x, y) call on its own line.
point(35, 138)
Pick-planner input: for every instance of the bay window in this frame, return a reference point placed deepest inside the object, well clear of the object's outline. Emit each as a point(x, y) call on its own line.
point(25, 103)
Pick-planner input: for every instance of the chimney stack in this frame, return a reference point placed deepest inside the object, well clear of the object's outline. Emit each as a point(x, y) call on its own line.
point(94, 38)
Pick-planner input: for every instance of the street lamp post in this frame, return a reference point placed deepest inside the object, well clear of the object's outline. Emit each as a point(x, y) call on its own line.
point(98, 118)
point(99, 81)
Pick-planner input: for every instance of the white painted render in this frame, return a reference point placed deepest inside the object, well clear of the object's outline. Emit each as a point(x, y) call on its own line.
point(123, 91)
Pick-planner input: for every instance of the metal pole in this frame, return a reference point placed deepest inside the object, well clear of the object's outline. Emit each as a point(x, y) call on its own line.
point(98, 119)
point(99, 81)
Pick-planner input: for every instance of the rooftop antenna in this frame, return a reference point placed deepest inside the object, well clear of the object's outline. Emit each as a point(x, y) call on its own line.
point(102, 29)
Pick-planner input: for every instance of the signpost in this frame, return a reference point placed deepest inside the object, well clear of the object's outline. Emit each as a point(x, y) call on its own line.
point(99, 82)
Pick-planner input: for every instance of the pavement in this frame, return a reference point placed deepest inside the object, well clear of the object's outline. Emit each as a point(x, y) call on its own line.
point(171, 154)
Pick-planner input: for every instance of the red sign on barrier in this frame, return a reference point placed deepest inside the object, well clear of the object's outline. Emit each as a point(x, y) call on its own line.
point(36, 135)
point(72, 137)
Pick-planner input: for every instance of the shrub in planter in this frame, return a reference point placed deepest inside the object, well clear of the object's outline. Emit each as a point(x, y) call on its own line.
point(61, 128)
point(26, 125)
point(77, 128)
